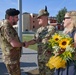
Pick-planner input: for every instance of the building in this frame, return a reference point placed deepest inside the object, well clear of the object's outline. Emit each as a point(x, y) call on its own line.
point(30, 23)
point(53, 20)
point(25, 21)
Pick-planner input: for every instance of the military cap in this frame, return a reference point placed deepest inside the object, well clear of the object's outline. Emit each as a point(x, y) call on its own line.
point(12, 12)
point(43, 12)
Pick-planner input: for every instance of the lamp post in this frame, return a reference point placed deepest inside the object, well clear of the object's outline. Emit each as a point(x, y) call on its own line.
point(20, 20)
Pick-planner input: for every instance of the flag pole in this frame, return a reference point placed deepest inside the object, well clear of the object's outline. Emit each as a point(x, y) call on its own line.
point(20, 20)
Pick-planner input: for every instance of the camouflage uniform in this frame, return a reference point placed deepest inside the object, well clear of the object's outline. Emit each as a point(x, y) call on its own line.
point(42, 35)
point(11, 55)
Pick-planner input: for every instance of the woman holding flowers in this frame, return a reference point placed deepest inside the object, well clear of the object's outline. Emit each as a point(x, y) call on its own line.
point(70, 29)
point(64, 47)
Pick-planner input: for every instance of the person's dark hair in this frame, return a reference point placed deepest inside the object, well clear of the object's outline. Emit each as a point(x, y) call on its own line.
point(11, 12)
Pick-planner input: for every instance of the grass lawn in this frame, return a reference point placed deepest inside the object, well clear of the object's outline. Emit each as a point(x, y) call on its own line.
point(27, 38)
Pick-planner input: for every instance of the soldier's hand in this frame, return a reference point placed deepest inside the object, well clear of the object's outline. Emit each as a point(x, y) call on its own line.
point(26, 44)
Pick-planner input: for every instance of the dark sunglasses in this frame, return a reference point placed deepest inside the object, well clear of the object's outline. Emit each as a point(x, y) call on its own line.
point(66, 18)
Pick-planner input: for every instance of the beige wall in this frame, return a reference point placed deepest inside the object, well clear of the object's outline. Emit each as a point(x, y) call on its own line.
point(33, 22)
point(29, 22)
point(25, 22)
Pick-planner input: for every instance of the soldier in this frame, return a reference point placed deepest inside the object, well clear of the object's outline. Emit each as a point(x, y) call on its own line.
point(10, 43)
point(42, 35)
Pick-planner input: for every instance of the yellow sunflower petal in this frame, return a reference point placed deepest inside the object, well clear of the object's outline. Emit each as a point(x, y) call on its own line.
point(56, 37)
point(64, 43)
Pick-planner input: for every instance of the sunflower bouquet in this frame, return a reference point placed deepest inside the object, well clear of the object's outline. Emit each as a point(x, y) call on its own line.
point(62, 48)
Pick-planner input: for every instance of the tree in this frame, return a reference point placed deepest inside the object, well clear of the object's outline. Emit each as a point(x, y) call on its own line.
point(60, 15)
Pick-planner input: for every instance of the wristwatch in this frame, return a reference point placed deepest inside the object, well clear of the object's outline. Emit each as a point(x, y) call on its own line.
point(23, 44)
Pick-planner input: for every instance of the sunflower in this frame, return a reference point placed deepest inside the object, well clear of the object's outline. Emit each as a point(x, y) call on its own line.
point(64, 43)
point(56, 37)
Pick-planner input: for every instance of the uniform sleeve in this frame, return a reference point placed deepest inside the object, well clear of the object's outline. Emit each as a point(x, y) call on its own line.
point(51, 31)
point(51, 28)
point(36, 35)
point(9, 33)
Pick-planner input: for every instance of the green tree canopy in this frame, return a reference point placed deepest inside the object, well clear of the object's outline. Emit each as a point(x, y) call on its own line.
point(61, 14)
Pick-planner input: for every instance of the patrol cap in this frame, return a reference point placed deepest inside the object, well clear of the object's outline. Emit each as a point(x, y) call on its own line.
point(12, 12)
point(43, 12)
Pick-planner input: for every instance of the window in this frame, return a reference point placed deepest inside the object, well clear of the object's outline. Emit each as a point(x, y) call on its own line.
point(33, 26)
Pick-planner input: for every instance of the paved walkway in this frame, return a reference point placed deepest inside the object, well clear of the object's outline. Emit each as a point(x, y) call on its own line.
point(28, 62)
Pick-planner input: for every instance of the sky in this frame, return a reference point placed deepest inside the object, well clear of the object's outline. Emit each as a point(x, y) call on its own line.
point(33, 6)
